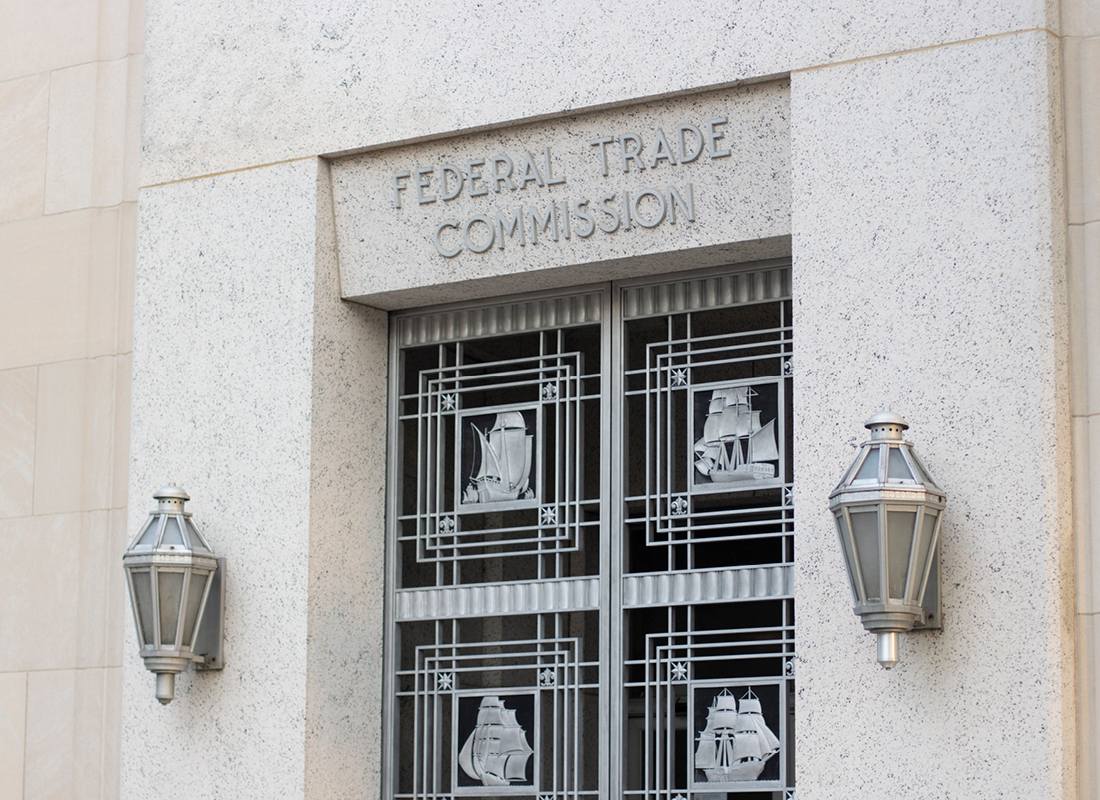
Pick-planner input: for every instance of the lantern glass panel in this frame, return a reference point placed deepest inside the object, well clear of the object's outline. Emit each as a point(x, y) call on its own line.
point(170, 590)
point(196, 537)
point(849, 556)
point(869, 470)
point(898, 470)
point(899, 544)
point(865, 532)
point(922, 473)
point(195, 588)
point(149, 533)
point(143, 593)
point(920, 559)
point(172, 533)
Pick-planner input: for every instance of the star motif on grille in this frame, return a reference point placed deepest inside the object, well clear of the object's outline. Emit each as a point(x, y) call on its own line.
point(445, 680)
point(788, 795)
point(679, 377)
point(679, 506)
point(548, 677)
point(679, 671)
point(549, 391)
point(788, 496)
point(678, 797)
point(449, 402)
point(548, 515)
point(447, 525)
point(546, 797)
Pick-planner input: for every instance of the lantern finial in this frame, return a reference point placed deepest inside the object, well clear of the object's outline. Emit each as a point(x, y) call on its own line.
point(886, 425)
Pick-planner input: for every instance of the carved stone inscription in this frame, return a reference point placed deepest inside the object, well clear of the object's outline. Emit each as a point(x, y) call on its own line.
point(658, 177)
point(500, 173)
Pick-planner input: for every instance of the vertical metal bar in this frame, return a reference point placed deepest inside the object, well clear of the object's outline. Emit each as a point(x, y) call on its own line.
point(389, 634)
point(611, 555)
point(456, 563)
point(665, 395)
point(435, 718)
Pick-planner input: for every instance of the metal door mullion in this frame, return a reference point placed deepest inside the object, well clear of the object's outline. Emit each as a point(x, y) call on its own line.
point(389, 634)
point(612, 697)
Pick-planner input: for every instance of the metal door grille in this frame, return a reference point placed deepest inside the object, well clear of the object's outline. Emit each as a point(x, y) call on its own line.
point(591, 542)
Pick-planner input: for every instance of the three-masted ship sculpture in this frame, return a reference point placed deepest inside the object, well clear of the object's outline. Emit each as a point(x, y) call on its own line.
point(496, 752)
point(736, 743)
point(504, 455)
point(735, 446)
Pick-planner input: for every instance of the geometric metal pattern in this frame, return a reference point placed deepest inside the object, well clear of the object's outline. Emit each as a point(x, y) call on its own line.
point(590, 544)
point(484, 430)
point(707, 609)
point(541, 681)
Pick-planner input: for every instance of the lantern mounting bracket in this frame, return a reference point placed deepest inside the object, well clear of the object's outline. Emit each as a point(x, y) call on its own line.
point(209, 643)
point(932, 605)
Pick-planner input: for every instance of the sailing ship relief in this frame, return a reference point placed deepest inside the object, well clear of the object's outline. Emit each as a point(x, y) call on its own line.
point(496, 752)
point(501, 468)
point(736, 743)
point(735, 445)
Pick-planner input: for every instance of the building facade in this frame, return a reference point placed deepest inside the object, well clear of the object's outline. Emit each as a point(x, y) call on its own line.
point(510, 354)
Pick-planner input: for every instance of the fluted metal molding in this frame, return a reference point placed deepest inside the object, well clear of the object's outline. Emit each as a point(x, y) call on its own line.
point(502, 318)
point(708, 586)
point(527, 597)
point(739, 288)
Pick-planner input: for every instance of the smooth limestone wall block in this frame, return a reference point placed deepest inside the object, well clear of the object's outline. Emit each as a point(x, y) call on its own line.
point(23, 126)
point(18, 401)
point(1082, 87)
point(68, 283)
point(62, 761)
point(63, 604)
point(928, 214)
point(70, 93)
point(53, 34)
point(338, 76)
point(1081, 60)
point(13, 732)
point(586, 198)
point(91, 122)
point(77, 435)
point(276, 392)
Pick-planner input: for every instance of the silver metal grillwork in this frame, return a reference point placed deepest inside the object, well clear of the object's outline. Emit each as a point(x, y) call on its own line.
point(590, 544)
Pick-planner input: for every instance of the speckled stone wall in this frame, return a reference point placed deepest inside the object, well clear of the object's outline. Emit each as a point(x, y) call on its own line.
point(243, 83)
point(254, 393)
point(929, 277)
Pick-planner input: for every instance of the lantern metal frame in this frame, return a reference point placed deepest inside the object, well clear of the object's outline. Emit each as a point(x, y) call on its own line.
point(191, 606)
point(892, 560)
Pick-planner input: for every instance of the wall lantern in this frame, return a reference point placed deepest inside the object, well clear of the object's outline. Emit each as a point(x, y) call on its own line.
point(888, 512)
point(177, 592)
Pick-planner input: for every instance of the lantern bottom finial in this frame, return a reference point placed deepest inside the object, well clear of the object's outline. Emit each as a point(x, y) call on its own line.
point(166, 687)
point(888, 649)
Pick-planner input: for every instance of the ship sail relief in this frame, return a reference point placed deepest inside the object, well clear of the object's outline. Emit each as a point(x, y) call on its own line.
point(496, 752)
point(735, 446)
point(503, 459)
point(736, 743)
